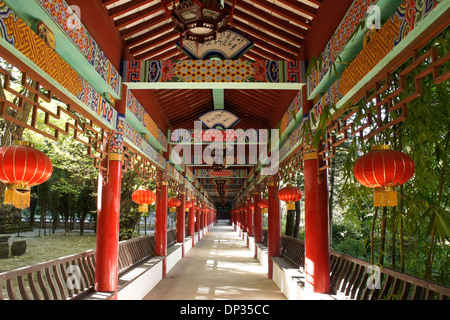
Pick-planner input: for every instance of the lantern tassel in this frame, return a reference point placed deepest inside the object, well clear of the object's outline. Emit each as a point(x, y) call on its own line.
point(384, 197)
point(143, 208)
point(19, 199)
point(172, 209)
point(290, 206)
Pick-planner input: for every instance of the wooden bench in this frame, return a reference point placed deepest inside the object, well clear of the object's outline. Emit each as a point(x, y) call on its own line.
point(349, 278)
point(73, 277)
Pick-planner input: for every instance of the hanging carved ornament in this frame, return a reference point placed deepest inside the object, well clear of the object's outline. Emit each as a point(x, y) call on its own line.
point(290, 194)
point(143, 197)
point(200, 20)
point(382, 169)
point(22, 167)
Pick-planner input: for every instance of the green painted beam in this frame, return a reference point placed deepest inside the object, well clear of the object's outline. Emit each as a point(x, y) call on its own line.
point(352, 48)
point(214, 85)
point(136, 124)
point(219, 100)
point(32, 13)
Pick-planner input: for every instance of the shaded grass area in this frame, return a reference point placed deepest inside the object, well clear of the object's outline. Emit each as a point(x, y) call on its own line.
point(49, 247)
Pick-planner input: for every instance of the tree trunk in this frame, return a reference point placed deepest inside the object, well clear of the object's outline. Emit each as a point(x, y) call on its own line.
point(290, 221)
point(429, 262)
point(383, 236)
point(394, 213)
point(372, 236)
point(82, 217)
point(298, 218)
point(331, 194)
point(12, 131)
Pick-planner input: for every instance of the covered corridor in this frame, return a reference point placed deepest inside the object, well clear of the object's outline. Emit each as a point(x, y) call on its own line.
point(219, 267)
point(152, 118)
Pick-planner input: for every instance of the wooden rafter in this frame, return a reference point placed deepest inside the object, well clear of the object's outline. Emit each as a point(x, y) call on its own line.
point(277, 28)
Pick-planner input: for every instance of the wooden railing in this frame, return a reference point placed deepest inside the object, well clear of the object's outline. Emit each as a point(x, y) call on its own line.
point(350, 278)
point(73, 276)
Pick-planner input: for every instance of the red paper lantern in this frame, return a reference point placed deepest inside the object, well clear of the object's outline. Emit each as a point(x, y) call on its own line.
point(173, 203)
point(252, 206)
point(290, 194)
point(22, 167)
point(188, 205)
point(383, 169)
point(143, 197)
point(263, 204)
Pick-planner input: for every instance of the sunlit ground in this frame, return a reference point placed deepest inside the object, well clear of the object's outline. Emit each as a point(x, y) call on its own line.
point(49, 247)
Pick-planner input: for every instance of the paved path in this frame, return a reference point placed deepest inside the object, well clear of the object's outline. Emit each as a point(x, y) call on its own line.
point(220, 266)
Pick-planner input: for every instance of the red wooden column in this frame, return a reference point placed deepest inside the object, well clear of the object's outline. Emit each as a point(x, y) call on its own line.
point(106, 265)
point(181, 224)
point(241, 214)
point(249, 214)
point(238, 219)
point(161, 207)
point(197, 220)
point(191, 219)
point(108, 214)
point(202, 218)
point(249, 217)
point(274, 222)
point(181, 217)
point(244, 219)
point(317, 244)
point(258, 217)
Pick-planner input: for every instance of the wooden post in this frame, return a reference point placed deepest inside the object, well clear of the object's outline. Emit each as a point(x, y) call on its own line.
point(317, 244)
point(161, 219)
point(274, 228)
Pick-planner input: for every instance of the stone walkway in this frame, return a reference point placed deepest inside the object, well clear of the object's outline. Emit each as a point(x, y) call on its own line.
point(219, 267)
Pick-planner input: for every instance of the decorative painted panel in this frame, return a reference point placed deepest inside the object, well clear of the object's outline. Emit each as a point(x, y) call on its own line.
point(209, 173)
point(229, 45)
point(213, 71)
point(137, 109)
point(207, 136)
point(28, 43)
point(408, 15)
point(357, 12)
point(69, 23)
point(63, 15)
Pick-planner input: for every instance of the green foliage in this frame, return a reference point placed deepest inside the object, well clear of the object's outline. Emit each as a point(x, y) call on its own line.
point(417, 232)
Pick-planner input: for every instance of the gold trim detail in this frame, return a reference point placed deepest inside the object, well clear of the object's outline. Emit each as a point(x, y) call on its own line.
point(23, 143)
point(116, 157)
point(311, 156)
point(381, 147)
point(19, 186)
